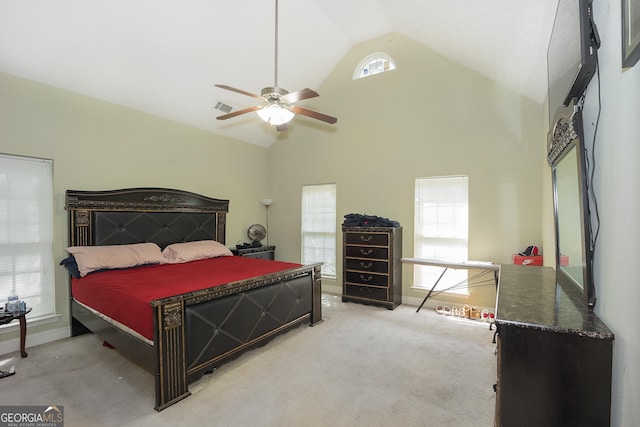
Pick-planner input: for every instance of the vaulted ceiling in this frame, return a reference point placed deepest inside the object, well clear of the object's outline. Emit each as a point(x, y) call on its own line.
point(164, 56)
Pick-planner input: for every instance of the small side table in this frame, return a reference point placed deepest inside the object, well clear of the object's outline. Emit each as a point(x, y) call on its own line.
point(6, 317)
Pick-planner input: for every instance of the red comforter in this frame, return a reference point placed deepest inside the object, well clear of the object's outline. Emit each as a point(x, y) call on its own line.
point(125, 295)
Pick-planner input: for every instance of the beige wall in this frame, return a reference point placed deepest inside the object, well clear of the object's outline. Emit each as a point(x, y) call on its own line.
point(617, 187)
point(429, 117)
point(99, 146)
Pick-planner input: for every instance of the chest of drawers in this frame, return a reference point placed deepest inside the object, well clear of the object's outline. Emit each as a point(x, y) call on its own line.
point(372, 272)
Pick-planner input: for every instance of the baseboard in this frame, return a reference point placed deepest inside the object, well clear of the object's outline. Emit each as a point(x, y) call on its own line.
point(414, 301)
point(332, 289)
point(13, 345)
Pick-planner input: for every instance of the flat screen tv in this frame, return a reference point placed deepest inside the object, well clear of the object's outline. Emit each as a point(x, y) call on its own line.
point(571, 57)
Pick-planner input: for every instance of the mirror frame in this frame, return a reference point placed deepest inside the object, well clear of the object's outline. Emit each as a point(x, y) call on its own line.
point(567, 133)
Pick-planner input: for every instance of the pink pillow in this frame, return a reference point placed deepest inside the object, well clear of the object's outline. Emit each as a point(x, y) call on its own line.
point(92, 258)
point(193, 251)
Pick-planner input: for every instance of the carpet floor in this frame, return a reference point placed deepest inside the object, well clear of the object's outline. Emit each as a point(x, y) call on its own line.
point(363, 366)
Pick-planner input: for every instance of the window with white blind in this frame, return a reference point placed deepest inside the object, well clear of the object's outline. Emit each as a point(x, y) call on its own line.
point(441, 230)
point(319, 227)
point(26, 233)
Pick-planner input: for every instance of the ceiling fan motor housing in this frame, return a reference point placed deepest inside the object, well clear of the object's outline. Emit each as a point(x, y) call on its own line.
point(273, 92)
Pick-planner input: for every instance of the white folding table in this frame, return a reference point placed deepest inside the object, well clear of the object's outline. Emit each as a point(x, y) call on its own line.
point(466, 265)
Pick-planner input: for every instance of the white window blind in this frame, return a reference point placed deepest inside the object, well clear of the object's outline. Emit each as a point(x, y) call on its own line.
point(26, 232)
point(441, 230)
point(319, 227)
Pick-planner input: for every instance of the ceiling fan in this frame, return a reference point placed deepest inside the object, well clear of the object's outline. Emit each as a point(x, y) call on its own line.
point(278, 104)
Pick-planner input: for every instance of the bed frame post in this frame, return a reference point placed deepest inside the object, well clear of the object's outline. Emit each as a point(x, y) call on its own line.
point(79, 235)
point(80, 228)
point(316, 296)
point(171, 370)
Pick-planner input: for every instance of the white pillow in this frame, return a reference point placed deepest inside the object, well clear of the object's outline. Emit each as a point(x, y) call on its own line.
point(92, 258)
point(193, 251)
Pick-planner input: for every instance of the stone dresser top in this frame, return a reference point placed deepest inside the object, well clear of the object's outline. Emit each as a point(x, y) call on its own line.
point(529, 296)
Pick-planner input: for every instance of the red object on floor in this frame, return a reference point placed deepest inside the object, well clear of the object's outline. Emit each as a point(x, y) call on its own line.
point(527, 260)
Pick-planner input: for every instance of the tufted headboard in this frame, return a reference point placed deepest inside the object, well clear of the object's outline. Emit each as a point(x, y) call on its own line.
point(137, 215)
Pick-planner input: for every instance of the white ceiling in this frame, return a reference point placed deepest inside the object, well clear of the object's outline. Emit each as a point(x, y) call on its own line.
point(164, 56)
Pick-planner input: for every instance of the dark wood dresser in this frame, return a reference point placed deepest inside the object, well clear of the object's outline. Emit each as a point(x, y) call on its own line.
point(554, 355)
point(372, 272)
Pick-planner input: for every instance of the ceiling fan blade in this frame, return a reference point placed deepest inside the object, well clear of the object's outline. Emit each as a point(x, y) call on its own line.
point(299, 95)
point(314, 114)
point(233, 89)
point(239, 112)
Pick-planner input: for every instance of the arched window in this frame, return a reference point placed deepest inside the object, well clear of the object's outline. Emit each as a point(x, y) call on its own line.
point(375, 63)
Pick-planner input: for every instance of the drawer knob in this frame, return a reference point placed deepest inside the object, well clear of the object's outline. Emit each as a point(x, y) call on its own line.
point(366, 252)
point(365, 279)
point(366, 264)
point(365, 238)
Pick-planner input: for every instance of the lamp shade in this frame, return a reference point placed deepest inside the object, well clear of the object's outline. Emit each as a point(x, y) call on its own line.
point(275, 114)
point(266, 202)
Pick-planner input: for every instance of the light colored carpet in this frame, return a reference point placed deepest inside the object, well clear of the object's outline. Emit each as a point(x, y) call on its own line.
point(363, 366)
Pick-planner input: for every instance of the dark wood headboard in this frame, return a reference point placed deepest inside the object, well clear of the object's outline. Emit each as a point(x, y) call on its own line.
point(137, 215)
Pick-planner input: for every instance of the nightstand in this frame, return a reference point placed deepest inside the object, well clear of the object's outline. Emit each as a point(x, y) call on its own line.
point(263, 252)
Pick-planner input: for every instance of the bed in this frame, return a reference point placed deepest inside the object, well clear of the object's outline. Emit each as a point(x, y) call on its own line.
point(196, 326)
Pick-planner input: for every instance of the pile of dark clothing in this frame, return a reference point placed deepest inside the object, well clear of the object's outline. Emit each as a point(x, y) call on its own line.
point(360, 220)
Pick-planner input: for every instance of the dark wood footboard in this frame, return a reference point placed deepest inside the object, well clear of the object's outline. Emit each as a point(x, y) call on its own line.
point(201, 331)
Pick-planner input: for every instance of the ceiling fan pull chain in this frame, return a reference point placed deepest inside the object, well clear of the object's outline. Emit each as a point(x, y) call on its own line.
point(276, 56)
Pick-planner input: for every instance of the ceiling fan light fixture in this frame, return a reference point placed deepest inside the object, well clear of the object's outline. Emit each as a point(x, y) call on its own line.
point(275, 114)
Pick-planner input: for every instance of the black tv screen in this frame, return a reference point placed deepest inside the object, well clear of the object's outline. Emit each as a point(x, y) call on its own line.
point(571, 57)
